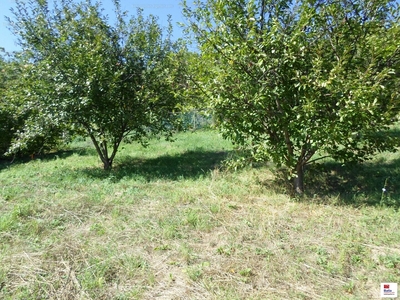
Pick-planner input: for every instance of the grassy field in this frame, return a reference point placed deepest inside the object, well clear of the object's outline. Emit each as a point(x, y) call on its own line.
point(169, 223)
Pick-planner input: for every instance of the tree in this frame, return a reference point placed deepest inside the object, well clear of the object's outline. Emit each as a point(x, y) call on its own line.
point(112, 83)
point(293, 79)
point(6, 117)
point(17, 115)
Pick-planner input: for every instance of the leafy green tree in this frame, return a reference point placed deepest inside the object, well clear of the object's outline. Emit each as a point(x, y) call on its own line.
point(17, 114)
point(110, 82)
point(6, 118)
point(293, 79)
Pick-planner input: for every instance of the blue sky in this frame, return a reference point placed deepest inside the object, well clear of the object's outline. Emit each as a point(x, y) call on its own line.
point(160, 8)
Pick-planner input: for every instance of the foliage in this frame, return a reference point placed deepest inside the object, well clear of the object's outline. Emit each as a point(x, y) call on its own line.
point(110, 82)
point(15, 115)
point(196, 67)
point(293, 79)
point(194, 107)
point(6, 118)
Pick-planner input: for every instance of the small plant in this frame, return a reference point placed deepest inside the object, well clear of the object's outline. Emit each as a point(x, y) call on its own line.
point(356, 259)
point(187, 254)
point(195, 272)
point(322, 259)
point(390, 261)
point(349, 287)
point(215, 208)
point(192, 218)
point(245, 272)
point(227, 251)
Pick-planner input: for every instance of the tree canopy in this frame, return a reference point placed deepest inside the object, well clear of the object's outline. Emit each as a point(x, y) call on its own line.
point(109, 82)
point(292, 79)
point(6, 119)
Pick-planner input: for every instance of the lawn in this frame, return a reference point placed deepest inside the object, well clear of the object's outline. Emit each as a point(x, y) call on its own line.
point(169, 222)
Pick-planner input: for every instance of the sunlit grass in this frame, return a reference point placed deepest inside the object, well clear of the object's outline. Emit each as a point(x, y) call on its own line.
point(168, 222)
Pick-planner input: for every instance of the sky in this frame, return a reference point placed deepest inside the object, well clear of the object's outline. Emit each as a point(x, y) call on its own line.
point(160, 8)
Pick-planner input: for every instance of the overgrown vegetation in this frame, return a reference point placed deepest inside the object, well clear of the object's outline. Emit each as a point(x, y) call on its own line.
point(169, 222)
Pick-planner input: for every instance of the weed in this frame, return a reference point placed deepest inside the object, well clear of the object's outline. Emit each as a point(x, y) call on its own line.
point(390, 261)
point(245, 272)
point(194, 272)
point(349, 287)
point(323, 257)
point(215, 208)
point(226, 250)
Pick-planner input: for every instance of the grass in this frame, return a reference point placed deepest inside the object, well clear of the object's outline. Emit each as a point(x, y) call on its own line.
point(168, 223)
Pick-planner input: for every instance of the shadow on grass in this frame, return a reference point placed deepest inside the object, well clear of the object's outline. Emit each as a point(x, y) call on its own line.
point(191, 164)
point(359, 184)
point(6, 162)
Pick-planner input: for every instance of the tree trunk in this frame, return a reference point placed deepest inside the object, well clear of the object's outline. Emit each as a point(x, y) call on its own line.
point(107, 163)
point(298, 181)
point(103, 153)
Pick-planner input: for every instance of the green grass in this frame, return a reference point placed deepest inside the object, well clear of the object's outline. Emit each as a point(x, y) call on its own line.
point(168, 222)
